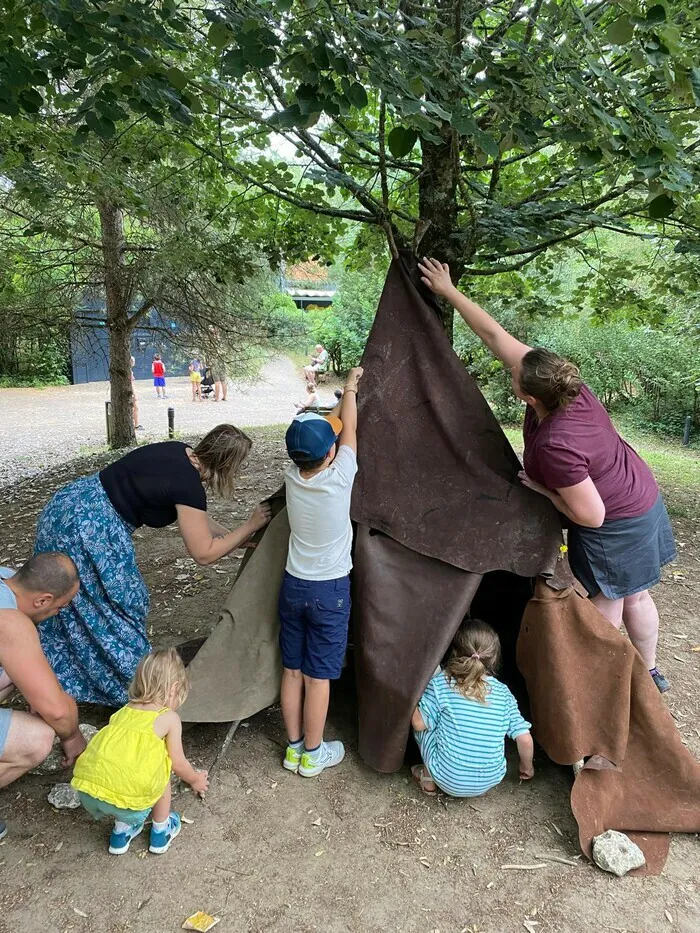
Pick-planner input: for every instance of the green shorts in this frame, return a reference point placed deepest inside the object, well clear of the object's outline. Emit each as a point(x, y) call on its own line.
point(100, 808)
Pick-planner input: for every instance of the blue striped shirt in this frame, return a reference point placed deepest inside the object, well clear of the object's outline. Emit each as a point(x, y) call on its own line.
point(463, 744)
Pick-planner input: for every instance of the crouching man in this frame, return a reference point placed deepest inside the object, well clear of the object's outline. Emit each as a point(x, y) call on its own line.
point(37, 591)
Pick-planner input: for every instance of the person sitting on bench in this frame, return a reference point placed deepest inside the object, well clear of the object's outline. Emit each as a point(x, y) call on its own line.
point(319, 363)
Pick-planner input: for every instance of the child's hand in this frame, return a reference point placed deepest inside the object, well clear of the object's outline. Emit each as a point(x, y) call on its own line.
point(200, 784)
point(527, 773)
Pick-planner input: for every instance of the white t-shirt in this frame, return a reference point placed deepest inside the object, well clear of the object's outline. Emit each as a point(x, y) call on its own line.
point(319, 517)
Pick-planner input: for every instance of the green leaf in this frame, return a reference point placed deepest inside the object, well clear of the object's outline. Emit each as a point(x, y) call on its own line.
point(401, 141)
point(31, 100)
point(234, 64)
point(662, 206)
point(695, 84)
point(589, 158)
point(620, 32)
point(177, 78)
point(103, 126)
point(357, 96)
point(287, 118)
point(656, 14)
point(219, 35)
point(259, 57)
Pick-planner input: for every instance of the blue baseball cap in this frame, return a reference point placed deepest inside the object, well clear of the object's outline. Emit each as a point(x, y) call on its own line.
point(310, 436)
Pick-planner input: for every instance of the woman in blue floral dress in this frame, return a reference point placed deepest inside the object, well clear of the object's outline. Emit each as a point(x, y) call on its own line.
point(95, 643)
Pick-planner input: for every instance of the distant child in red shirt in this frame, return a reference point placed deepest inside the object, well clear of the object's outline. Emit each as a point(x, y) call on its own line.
point(158, 370)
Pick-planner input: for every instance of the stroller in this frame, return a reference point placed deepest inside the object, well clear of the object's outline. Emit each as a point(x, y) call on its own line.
point(207, 386)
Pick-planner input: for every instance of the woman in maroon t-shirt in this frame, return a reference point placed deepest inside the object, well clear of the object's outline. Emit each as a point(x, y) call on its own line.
point(619, 531)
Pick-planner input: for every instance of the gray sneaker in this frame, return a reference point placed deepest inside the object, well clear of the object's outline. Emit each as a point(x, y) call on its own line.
point(662, 685)
point(331, 754)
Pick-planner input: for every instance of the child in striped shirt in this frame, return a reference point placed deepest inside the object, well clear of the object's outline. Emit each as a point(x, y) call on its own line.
point(462, 719)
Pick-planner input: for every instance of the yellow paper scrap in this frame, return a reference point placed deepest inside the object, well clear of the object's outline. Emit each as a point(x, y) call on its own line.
point(200, 922)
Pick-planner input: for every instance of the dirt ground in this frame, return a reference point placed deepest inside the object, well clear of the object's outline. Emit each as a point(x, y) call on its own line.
point(351, 851)
point(42, 428)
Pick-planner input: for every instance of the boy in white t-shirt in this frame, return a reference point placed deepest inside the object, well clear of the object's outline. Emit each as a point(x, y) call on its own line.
point(314, 602)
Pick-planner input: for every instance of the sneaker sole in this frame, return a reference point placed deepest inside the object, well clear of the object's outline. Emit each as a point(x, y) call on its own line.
point(308, 773)
point(161, 849)
point(288, 766)
point(124, 849)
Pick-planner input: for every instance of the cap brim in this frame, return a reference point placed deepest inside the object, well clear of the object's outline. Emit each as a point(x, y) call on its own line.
point(335, 423)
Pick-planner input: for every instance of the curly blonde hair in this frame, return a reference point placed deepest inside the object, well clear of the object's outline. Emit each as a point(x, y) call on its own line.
point(155, 677)
point(221, 454)
point(475, 654)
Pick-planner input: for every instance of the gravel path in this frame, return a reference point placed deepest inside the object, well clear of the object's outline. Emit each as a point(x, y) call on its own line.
point(42, 428)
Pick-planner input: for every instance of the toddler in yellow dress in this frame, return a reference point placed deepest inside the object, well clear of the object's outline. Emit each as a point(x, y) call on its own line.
point(124, 773)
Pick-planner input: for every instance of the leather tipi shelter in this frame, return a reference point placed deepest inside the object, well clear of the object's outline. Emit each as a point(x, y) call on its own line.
point(442, 526)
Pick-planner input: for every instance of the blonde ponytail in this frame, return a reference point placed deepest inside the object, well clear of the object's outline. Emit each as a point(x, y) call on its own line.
point(475, 654)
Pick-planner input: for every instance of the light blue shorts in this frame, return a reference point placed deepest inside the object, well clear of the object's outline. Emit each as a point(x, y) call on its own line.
point(100, 808)
point(5, 720)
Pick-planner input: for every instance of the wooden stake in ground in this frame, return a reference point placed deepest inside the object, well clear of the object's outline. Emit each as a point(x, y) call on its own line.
point(224, 748)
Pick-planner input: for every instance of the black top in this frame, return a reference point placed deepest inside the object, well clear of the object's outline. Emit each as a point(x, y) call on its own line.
point(146, 485)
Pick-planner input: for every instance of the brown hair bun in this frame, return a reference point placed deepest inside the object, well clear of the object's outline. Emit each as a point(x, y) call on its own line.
point(549, 378)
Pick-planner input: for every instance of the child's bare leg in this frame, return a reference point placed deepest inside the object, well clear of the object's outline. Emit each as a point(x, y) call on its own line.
point(317, 695)
point(292, 703)
point(161, 808)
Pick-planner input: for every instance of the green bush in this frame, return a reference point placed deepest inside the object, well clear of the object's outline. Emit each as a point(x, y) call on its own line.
point(35, 365)
point(344, 327)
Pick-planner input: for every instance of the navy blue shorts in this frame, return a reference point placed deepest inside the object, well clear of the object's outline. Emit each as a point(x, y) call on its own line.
point(314, 618)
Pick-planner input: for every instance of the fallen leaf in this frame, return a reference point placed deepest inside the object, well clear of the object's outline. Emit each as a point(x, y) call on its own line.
point(200, 922)
point(319, 853)
point(317, 822)
point(273, 785)
point(186, 819)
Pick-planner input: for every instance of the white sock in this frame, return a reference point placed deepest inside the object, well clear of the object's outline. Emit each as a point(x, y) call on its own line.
point(161, 827)
point(120, 827)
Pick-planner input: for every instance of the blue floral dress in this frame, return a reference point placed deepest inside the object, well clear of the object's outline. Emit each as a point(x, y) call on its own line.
point(95, 643)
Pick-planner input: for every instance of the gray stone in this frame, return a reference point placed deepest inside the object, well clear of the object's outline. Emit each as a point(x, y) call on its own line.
point(64, 797)
point(52, 763)
point(616, 853)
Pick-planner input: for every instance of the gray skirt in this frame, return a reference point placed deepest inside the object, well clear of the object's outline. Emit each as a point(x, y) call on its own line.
point(624, 556)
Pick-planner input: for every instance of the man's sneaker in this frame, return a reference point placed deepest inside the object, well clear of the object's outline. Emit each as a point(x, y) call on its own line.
point(292, 759)
point(161, 839)
point(329, 755)
point(662, 685)
point(119, 842)
point(3, 829)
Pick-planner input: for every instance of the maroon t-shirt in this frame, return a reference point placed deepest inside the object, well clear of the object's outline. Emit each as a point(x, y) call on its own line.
point(580, 441)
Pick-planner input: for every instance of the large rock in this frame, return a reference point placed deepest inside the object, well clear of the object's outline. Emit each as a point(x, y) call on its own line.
point(52, 763)
point(616, 853)
point(64, 797)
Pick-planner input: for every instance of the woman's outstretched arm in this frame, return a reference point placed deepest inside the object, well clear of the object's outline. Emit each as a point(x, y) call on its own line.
point(503, 345)
point(206, 547)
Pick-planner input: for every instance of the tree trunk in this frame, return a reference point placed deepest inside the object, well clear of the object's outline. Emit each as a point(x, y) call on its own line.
point(437, 201)
point(119, 325)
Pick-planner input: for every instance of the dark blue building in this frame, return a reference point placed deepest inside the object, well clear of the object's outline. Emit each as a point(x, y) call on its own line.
point(90, 345)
